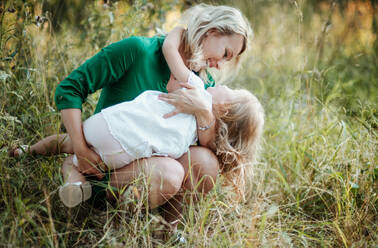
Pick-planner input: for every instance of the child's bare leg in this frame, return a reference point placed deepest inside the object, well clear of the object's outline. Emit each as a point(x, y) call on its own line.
point(75, 189)
point(70, 172)
point(54, 144)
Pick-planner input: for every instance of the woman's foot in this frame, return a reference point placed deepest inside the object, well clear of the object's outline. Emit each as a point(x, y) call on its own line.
point(72, 194)
point(18, 151)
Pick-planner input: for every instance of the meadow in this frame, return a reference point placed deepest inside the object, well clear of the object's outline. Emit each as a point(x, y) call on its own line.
point(314, 67)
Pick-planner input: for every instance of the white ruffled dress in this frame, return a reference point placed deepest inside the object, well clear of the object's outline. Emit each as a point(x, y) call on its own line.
point(142, 131)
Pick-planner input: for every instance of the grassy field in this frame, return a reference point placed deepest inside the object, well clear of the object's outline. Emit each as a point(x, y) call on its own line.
point(315, 184)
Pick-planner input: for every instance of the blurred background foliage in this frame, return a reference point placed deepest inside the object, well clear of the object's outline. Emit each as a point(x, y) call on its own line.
point(314, 67)
point(326, 42)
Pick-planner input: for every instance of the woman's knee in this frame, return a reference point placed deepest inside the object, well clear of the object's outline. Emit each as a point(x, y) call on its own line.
point(204, 167)
point(170, 177)
point(164, 176)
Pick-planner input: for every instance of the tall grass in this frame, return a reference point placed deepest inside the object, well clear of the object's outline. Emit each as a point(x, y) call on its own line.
point(315, 183)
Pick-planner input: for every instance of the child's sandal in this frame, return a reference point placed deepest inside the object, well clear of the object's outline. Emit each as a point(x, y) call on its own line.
point(179, 238)
point(72, 194)
point(18, 151)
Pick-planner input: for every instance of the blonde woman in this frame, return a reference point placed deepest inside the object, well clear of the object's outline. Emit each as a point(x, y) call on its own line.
point(123, 70)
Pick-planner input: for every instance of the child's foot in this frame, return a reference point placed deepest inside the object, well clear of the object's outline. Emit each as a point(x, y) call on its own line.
point(178, 237)
point(72, 194)
point(17, 152)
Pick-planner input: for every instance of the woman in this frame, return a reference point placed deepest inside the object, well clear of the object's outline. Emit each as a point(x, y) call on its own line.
point(125, 69)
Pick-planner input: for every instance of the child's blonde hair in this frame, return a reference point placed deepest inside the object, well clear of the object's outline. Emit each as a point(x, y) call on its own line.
point(239, 126)
point(226, 21)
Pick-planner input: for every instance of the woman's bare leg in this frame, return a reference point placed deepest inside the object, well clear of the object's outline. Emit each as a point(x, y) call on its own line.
point(164, 175)
point(201, 169)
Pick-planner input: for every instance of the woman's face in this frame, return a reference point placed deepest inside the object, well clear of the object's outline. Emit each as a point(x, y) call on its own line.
point(218, 48)
point(222, 94)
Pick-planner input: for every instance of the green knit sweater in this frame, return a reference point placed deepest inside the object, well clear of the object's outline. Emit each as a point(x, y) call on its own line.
point(123, 70)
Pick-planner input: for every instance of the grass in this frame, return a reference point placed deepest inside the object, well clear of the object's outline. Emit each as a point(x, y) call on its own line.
point(315, 184)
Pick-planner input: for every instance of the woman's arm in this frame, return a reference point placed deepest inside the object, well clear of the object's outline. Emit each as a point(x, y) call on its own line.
point(172, 56)
point(103, 69)
point(87, 158)
point(190, 101)
point(206, 129)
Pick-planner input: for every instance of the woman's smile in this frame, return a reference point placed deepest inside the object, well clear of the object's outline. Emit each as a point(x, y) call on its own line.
point(218, 49)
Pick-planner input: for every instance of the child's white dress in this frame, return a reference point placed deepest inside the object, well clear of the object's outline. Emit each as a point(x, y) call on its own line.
point(136, 129)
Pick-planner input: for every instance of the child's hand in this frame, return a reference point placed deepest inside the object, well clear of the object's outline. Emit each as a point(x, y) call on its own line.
point(173, 84)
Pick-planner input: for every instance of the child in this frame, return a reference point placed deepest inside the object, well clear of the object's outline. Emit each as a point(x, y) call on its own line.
point(132, 130)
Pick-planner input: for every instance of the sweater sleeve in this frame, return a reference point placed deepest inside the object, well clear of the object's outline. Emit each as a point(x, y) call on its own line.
point(103, 69)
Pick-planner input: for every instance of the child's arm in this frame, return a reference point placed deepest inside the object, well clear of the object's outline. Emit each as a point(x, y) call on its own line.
point(172, 56)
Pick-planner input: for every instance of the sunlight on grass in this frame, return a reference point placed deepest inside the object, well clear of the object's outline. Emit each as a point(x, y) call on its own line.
point(315, 184)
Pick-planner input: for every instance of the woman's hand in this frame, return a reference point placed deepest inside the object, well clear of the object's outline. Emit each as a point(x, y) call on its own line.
point(191, 101)
point(88, 160)
point(187, 100)
point(90, 163)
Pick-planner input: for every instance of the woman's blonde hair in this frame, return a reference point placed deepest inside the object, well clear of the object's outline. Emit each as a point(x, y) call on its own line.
point(226, 21)
point(239, 126)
